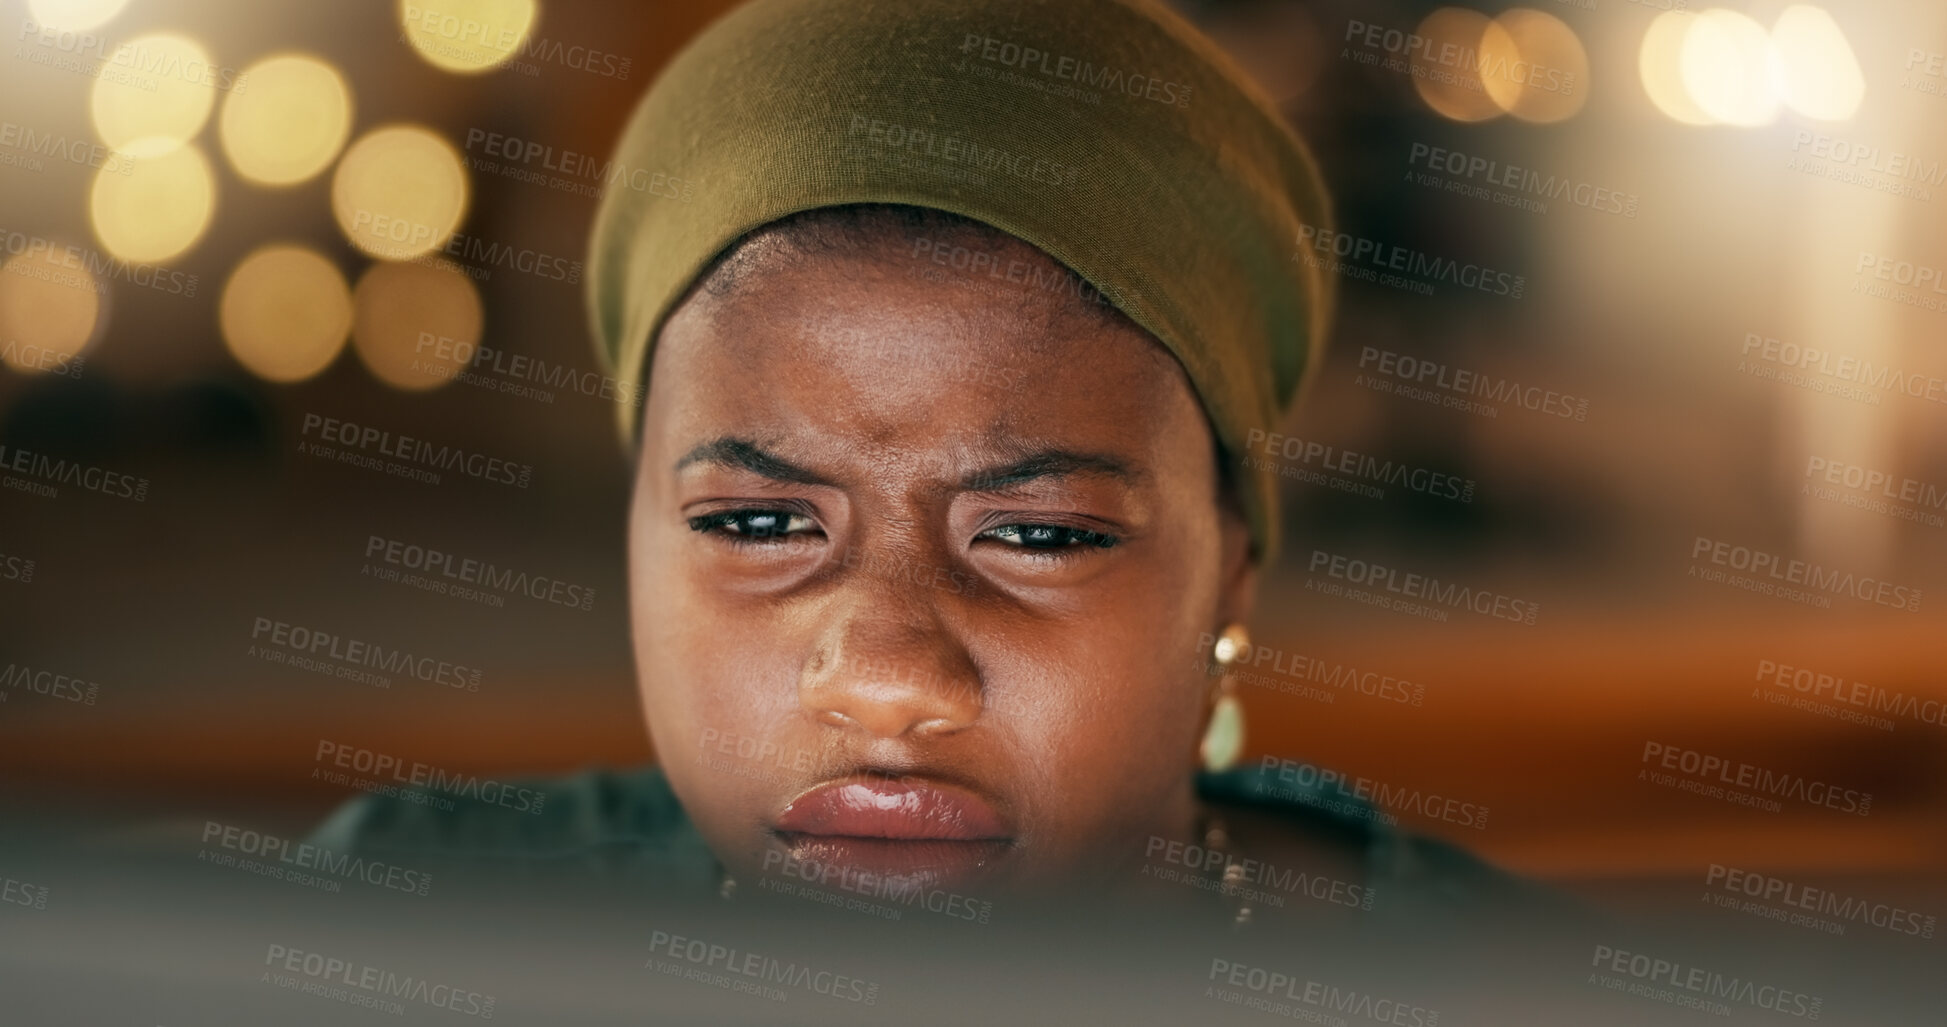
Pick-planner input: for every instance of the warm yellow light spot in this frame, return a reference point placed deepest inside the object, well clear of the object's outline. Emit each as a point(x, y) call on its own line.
point(466, 35)
point(1535, 67)
point(285, 313)
point(49, 304)
point(159, 96)
point(1814, 68)
point(73, 15)
point(157, 210)
point(399, 192)
point(415, 325)
point(1726, 64)
point(1446, 67)
point(1661, 66)
point(289, 123)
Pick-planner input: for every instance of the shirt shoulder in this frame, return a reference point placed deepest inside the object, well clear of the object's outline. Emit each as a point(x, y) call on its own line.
point(598, 818)
point(1413, 878)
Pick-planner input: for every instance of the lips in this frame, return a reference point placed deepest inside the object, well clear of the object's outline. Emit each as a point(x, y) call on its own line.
point(911, 830)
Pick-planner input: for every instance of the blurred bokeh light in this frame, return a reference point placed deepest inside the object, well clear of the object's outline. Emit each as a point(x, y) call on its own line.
point(158, 209)
point(1453, 88)
point(285, 313)
point(1814, 69)
point(291, 121)
point(415, 325)
point(1661, 66)
point(1727, 59)
point(399, 192)
point(1534, 67)
point(466, 36)
point(49, 310)
point(73, 15)
point(163, 99)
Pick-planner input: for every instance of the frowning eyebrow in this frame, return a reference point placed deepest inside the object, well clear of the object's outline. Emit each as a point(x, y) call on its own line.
point(745, 455)
point(1047, 463)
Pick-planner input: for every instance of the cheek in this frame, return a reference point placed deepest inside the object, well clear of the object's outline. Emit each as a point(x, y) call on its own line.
point(699, 654)
point(700, 689)
point(1112, 735)
point(1115, 737)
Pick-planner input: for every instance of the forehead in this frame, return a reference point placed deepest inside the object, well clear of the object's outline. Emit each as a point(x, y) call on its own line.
point(872, 352)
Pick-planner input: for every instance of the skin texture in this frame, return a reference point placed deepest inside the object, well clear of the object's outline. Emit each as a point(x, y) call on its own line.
point(890, 632)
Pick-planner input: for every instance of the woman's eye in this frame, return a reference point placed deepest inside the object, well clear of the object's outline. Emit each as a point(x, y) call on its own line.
point(1047, 536)
point(753, 525)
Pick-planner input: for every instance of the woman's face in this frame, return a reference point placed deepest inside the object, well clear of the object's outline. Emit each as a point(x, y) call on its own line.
point(920, 564)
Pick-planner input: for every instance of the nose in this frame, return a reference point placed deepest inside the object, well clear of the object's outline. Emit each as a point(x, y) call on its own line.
point(888, 666)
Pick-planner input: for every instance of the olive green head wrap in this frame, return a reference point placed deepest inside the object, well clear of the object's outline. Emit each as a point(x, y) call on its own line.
point(1107, 133)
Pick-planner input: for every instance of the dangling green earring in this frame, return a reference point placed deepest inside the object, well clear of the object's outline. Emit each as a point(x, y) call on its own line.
point(1223, 740)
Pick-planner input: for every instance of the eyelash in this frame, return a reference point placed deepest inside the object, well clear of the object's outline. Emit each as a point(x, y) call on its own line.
point(733, 525)
point(1076, 538)
point(718, 523)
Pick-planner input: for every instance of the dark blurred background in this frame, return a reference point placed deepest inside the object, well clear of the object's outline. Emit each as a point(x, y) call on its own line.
point(1703, 199)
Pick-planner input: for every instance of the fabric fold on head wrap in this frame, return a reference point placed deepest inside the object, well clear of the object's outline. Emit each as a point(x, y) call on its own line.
point(1109, 134)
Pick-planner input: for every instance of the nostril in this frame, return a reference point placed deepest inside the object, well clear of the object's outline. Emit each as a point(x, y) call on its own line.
point(888, 676)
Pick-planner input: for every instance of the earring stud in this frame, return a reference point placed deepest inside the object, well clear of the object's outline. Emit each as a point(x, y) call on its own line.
point(1223, 740)
point(1231, 645)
